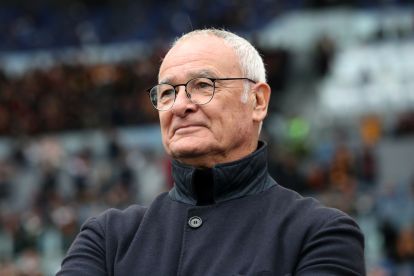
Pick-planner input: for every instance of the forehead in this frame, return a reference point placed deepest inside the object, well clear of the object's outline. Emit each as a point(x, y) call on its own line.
point(201, 53)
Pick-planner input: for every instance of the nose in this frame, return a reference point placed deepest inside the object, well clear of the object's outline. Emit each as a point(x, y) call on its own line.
point(182, 105)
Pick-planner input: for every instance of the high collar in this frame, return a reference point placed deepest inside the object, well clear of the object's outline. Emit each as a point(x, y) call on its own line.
point(223, 182)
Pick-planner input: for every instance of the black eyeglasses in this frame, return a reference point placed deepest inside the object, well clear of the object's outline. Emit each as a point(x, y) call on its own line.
point(199, 90)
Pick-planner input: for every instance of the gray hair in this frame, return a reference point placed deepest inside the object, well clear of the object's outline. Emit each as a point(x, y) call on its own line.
point(251, 62)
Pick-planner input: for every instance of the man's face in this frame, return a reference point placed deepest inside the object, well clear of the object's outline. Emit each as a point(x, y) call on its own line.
point(223, 130)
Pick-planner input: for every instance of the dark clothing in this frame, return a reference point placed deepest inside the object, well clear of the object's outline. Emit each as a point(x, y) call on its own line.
point(239, 223)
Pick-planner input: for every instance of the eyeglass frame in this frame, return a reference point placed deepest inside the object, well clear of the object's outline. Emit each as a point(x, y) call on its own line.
point(213, 80)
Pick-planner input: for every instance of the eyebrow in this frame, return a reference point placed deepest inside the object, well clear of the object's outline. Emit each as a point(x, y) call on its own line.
point(205, 73)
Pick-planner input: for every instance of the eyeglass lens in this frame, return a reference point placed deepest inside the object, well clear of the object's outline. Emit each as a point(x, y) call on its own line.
point(199, 91)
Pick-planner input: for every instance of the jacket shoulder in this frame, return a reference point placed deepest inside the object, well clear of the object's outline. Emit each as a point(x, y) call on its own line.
point(331, 242)
point(308, 209)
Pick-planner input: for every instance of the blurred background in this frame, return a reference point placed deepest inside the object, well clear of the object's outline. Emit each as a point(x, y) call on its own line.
point(78, 133)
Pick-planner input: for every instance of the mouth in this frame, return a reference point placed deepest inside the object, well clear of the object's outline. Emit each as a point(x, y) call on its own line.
point(187, 128)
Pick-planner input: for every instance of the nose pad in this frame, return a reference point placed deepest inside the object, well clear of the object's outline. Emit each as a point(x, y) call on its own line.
point(184, 93)
point(183, 103)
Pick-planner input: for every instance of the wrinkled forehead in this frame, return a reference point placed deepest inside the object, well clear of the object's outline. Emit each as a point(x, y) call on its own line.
point(203, 53)
point(202, 73)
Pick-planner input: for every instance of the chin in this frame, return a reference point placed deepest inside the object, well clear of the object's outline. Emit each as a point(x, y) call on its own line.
point(187, 152)
point(189, 148)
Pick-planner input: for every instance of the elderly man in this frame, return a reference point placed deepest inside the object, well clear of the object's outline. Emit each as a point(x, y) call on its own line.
point(225, 214)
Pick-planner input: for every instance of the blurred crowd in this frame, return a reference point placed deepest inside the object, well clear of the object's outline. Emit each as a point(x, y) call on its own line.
point(72, 97)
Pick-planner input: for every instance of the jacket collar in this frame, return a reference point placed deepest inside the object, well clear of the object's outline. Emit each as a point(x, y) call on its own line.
point(223, 182)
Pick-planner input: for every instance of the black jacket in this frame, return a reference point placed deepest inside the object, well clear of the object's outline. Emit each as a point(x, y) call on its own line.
point(231, 220)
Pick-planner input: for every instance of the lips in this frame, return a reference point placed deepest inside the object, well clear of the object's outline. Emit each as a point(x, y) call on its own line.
point(186, 126)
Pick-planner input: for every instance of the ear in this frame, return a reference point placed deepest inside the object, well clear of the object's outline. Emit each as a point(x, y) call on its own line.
point(262, 97)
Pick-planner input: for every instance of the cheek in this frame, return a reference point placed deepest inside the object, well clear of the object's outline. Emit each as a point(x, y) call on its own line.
point(239, 121)
point(229, 124)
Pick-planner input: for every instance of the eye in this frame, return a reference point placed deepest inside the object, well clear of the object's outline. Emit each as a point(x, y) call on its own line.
point(166, 93)
point(202, 84)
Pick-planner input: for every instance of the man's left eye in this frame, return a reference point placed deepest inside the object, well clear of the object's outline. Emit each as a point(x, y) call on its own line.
point(203, 85)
